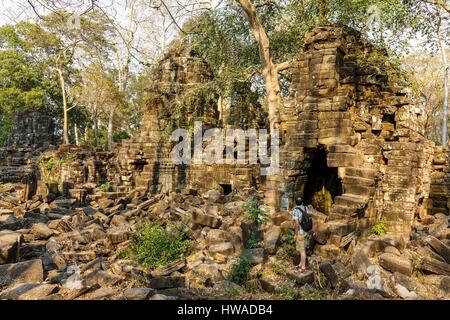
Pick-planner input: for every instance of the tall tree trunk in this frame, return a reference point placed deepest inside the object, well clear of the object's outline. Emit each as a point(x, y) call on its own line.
point(110, 129)
point(269, 69)
point(86, 135)
point(63, 91)
point(322, 5)
point(445, 106)
point(95, 124)
point(96, 132)
point(271, 85)
point(75, 130)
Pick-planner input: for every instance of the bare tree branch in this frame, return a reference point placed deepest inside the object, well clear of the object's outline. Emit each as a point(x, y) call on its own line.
point(443, 4)
point(283, 66)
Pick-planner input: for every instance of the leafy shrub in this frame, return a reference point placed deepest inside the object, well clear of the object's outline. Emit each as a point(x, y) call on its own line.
point(278, 268)
point(287, 246)
point(155, 246)
point(379, 229)
point(252, 241)
point(287, 292)
point(120, 135)
point(105, 187)
point(51, 165)
point(253, 287)
point(254, 212)
point(240, 271)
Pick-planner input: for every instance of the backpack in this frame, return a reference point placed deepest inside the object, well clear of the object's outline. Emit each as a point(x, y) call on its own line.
point(310, 243)
point(306, 221)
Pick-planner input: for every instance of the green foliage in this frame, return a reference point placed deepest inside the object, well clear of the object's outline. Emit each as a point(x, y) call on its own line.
point(122, 254)
point(25, 81)
point(120, 135)
point(316, 294)
point(51, 164)
point(379, 229)
point(252, 287)
point(155, 246)
point(287, 292)
point(254, 212)
point(252, 241)
point(5, 127)
point(287, 246)
point(240, 271)
point(278, 268)
point(105, 187)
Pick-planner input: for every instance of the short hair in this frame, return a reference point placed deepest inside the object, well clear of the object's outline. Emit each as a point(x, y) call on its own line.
point(298, 200)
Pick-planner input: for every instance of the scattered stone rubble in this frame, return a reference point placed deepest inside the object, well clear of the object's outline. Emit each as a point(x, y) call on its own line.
point(62, 250)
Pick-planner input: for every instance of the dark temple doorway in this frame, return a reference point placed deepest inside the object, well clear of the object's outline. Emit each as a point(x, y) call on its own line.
point(322, 183)
point(227, 188)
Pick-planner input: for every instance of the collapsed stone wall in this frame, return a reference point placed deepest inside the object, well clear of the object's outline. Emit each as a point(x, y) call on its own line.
point(175, 100)
point(440, 182)
point(352, 142)
point(369, 131)
point(32, 133)
point(32, 137)
point(80, 169)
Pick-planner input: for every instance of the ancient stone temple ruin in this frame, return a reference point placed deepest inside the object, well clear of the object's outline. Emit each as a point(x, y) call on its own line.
point(352, 140)
point(32, 133)
point(352, 143)
point(175, 100)
point(353, 133)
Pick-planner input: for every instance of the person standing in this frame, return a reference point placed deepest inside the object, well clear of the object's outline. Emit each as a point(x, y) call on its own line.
point(299, 233)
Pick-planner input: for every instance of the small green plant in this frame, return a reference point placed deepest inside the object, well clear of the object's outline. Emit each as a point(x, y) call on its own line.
point(254, 212)
point(122, 254)
point(252, 287)
point(290, 237)
point(252, 241)
point(105, 187)
point(232, 293)
point(240, 271)
point(379, 229)
point(288, 246)
point(51, 164)
point(287, 292)
point(155, 246)
point(316, 294)
point(278, 268)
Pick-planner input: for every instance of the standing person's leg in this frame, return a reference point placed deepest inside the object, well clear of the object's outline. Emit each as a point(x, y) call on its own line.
point(301, 247)
point(303, 259)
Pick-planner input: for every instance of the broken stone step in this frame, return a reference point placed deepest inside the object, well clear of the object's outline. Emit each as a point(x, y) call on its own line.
point(340, 227)
point(344, 210)
point(168, 269)
point(441, 248)
point(348, 180)
point(344, 160)
point(367, 173)
point(29, 291)
point(350, 200)
point(340, 148)
point(359, 190)
point(301, 278)
point(30, 271)
point(9, 246)
point(138, 293)
point(340, 217)
point(166, 282)
point(396, 263)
